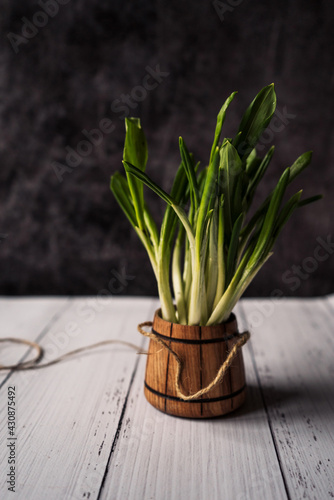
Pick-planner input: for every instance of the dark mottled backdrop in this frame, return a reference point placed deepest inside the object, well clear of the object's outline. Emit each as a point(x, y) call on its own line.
point(69, 66)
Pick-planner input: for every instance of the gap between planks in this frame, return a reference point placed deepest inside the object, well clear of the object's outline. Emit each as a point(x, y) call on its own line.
point(252, 356)
point(54, 318)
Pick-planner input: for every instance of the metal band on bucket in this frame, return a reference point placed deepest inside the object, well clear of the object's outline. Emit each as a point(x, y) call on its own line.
point(203, 400)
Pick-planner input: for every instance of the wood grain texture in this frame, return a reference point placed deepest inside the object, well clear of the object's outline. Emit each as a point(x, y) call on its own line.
point(201, 362)
point(162, 457)
point(86, 431)
point(69, 415)
point(27, 318)
point(293, 345)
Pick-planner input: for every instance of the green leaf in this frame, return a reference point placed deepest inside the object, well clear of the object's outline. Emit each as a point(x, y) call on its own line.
point(300, 164)
point(215, 257)
point(132, 170)
point(269, 221)
point(258, 175)
point(220, 253)
point(209, 192)
point(253, 166)
point(231, 168)
point(251, 159)
point(309, 200)
point(120, 189)
point(135, 152)
point(255, 120)
point(190, 171)
point(239, 202)
point(169, 221)
point(138, 174)
point(211, 265)
point(233, 248)
point(220, 120)
point(135, 146)
point(151, 226)
point(201, 180)
point(285, 214)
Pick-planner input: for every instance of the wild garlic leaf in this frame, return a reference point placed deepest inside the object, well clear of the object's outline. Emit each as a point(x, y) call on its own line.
point(209, 192)
point(231, 167)
point(233, 248)
point(270, 218)
point(300, 164)
point(145, 179)
point(135, 146)
point(120, 189)
point(255, 120)
point(190, 171)
point(214, 256)
point(220, 120)
point(258, 175)
point(135, 152)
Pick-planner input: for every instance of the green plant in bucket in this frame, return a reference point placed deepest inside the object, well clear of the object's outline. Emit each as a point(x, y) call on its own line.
point(214, 247)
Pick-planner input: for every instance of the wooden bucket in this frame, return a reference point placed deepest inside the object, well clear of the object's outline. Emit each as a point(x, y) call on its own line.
point(202, 350)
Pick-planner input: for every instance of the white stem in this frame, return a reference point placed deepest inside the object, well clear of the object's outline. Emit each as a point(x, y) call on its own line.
point(178, 285)
point(233, 293)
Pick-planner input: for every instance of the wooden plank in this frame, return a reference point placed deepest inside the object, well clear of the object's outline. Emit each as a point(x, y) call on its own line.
point(294, 351)
point(68, 415)
point(27, 318)
point(162, 457)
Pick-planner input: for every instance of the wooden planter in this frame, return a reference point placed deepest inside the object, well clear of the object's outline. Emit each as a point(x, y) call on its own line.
point(202, 351)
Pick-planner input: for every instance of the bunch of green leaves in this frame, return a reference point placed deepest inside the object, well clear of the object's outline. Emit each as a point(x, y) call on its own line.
point(213, 249)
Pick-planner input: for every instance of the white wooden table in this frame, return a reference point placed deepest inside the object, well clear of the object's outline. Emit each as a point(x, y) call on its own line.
point(85, 431)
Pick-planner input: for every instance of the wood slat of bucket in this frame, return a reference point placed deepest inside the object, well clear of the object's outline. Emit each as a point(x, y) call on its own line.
point(191, 381)
point(201, 362)
point(161, 370)
point(213, 356)
point(157, 365)
point(237, 371)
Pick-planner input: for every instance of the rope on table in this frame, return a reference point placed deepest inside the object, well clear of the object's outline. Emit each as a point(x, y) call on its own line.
point(33, 364)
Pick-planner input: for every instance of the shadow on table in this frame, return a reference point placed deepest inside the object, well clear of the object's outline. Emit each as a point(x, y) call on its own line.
point(262, 400)
point(259, 400)
point(276, 399)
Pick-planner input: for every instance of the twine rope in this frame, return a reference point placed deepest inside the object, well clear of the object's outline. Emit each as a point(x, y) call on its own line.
point(32, 364)
point(242, 339)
